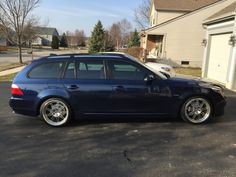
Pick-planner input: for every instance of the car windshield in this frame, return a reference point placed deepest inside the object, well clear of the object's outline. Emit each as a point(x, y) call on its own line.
point(149, 68)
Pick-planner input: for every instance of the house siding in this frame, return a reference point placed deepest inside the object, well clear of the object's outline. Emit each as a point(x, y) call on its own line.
point(183, 36)
point(163, 16)
point(158, 17)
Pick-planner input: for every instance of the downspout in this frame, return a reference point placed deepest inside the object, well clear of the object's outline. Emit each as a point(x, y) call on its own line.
point(206, 49)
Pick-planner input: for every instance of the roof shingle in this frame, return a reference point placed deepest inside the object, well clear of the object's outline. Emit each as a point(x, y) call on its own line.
point(45, 30)
point(228, 11)
point(182, 5)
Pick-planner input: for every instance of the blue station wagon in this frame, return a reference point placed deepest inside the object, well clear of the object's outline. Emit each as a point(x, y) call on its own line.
point(61, 88)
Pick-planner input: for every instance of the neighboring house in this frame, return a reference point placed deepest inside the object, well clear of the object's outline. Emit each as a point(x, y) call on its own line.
point(219, 61)
point(3, 43)
point(176, 30)
point(43, 36)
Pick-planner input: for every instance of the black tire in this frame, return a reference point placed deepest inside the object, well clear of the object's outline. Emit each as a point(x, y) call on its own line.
point(200, 113)
point(56, 112)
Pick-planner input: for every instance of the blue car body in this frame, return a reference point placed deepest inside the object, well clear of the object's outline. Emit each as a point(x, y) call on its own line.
point(158, 96)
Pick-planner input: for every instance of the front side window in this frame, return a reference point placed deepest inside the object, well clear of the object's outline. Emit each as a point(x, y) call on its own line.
point(50, 70)
point(93, 69)
point(125, 71)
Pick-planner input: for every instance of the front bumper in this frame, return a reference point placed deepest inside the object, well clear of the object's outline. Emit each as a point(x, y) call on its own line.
point(219, 107)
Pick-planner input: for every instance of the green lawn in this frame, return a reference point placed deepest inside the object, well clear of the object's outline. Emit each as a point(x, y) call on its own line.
point(6, 78)
point(197, 72)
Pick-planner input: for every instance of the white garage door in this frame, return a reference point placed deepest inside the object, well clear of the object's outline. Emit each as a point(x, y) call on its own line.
point(219, 57)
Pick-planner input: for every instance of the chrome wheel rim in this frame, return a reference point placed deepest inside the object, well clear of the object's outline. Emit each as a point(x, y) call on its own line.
point(197, 110)
point(55, 112)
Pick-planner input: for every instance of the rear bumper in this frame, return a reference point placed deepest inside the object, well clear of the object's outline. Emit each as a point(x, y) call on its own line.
point(21, 106)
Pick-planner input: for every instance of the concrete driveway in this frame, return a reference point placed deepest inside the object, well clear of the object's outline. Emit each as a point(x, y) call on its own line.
point(117, 146)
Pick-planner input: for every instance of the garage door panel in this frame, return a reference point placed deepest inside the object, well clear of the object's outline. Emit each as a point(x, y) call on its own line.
point(219, 57)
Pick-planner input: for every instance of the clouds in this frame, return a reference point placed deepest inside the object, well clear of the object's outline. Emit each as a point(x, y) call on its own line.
point(76, 12)
point(83, 14)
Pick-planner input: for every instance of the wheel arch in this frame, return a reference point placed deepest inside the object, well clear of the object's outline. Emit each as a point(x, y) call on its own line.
point(193, 96)
point(42, 100)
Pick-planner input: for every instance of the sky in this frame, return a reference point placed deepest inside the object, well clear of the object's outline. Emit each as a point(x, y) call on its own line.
point(83, 14)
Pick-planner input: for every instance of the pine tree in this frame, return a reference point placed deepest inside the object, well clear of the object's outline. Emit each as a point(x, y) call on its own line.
point(96, 42)
point(135, 40)
point(55, 42)
point(63, 42)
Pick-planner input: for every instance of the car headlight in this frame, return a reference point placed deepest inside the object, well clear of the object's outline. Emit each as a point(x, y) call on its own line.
point(218, 89)
point(213, 87)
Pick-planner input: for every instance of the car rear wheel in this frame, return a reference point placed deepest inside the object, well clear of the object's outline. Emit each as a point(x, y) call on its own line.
point(55, 112)
point(196, 110)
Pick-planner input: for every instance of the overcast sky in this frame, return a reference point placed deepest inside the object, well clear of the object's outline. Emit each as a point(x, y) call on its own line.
point(84, 14)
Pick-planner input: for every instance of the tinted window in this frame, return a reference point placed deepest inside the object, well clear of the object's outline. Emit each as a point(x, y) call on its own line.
point(50, 70)
point(125, 71)
point(90, 69)
point(70, 71)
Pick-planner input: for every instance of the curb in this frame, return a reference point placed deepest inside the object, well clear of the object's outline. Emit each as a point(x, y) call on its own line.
point(11, 71)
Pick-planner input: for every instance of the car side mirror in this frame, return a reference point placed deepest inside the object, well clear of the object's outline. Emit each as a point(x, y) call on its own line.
point(149, 78)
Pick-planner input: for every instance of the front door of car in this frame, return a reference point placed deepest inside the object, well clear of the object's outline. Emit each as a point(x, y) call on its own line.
point(131, 92)
point(85, 80)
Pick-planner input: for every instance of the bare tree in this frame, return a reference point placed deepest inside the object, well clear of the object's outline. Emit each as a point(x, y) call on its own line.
point(142, 14)
point(29, 31)
point(125, 29)
point(115, 34)
point(76, 38)
point(71, 39)
point(81, 38)
point(14, 19)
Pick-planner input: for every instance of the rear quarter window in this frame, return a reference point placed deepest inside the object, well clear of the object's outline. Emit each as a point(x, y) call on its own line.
point(50, 70)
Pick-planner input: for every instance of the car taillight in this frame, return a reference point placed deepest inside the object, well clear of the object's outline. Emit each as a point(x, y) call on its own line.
point(15, 90)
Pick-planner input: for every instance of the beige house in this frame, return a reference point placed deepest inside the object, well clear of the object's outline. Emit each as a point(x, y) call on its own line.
point(176, 30)
point(219, 62)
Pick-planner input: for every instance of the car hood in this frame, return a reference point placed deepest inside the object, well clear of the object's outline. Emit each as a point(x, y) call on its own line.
point(183, 80)
point(195, 81)
point(159, 65)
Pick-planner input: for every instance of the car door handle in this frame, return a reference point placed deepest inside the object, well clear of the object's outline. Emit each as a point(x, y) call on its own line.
point(119, 88)
point(72, 87)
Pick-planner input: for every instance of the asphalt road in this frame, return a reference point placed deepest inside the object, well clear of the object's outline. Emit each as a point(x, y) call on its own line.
point(117, 147)
point(12, 56)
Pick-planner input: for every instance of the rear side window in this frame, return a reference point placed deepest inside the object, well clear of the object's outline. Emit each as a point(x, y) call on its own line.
point(93, 69)
point(50, 70)
point(70, 71)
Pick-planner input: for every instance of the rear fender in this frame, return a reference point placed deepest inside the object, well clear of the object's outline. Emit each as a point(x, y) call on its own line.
point(52, 93)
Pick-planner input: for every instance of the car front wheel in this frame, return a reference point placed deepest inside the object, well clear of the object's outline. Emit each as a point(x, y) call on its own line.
point(196, 110)
point(55, 112)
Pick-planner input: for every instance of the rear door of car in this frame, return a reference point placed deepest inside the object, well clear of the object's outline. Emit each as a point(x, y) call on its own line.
point(86, 81)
